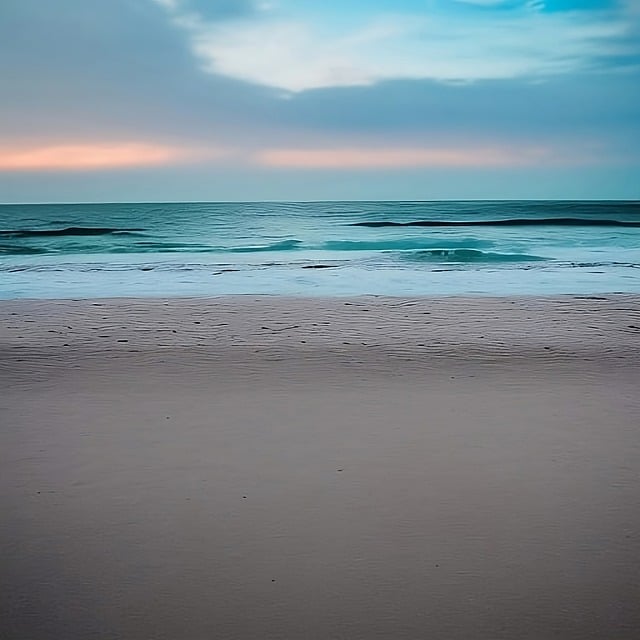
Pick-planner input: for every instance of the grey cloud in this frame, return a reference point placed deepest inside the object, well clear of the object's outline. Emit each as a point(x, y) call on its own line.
point(116, 67)
point(563, 106)
point(107, 66)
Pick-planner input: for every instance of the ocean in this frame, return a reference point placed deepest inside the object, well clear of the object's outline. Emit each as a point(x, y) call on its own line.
point(319, 248)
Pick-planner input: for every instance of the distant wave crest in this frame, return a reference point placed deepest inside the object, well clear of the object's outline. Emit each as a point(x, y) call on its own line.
point(69, 231)
point(511, 222)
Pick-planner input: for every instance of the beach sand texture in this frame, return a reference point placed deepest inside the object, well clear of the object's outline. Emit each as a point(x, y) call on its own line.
point(263, 467)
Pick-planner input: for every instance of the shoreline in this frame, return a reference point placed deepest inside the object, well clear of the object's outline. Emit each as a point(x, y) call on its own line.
point(267, 467)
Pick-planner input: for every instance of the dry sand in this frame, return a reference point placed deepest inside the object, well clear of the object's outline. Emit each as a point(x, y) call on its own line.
point(268, 468)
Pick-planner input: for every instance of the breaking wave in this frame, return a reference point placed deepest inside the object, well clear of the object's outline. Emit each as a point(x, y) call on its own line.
point(469, 255)
point(402, 244)
point(284, 245)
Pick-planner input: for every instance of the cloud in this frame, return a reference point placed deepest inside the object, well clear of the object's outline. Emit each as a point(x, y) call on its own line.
point(401, 158)
point(293, 51)
point(96, 156)
point(109, 73)
point(216, 10)
point(112, 70)
point(171, 5)
point(480, 3)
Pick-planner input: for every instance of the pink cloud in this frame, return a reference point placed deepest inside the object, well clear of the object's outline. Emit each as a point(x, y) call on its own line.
point(91, 156)
point(390, 158)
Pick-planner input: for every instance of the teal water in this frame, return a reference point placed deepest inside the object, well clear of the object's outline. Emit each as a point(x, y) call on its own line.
point(325, 248)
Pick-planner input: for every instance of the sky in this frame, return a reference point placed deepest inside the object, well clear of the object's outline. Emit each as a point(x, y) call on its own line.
point(215, 100)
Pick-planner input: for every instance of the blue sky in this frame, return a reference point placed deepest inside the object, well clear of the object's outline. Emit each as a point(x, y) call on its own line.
point(160, 100)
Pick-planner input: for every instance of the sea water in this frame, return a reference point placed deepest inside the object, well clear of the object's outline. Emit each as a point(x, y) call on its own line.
point(319, 248)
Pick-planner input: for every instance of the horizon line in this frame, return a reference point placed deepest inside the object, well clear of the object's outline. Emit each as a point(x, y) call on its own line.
point(313, 201)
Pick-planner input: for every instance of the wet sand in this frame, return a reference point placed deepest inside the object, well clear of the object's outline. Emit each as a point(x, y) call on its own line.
point(255, 467)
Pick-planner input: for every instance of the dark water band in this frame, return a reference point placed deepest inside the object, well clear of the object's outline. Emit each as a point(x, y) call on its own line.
point(514, 222)
point(69, 231)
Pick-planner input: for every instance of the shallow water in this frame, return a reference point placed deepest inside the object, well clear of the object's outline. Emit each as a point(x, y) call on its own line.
point(325, 248)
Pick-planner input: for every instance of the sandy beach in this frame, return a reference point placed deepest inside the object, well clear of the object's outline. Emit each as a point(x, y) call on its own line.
point(269, 468)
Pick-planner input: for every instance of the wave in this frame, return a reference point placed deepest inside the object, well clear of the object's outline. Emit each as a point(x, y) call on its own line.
point(163, 247)
point(217, 268)
point(159, 246)
point(511, 222)
point(177, 247)
point(141, 246)
point(284, 245)
point(469, 255)
point(69, 231)
point(404, 244)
